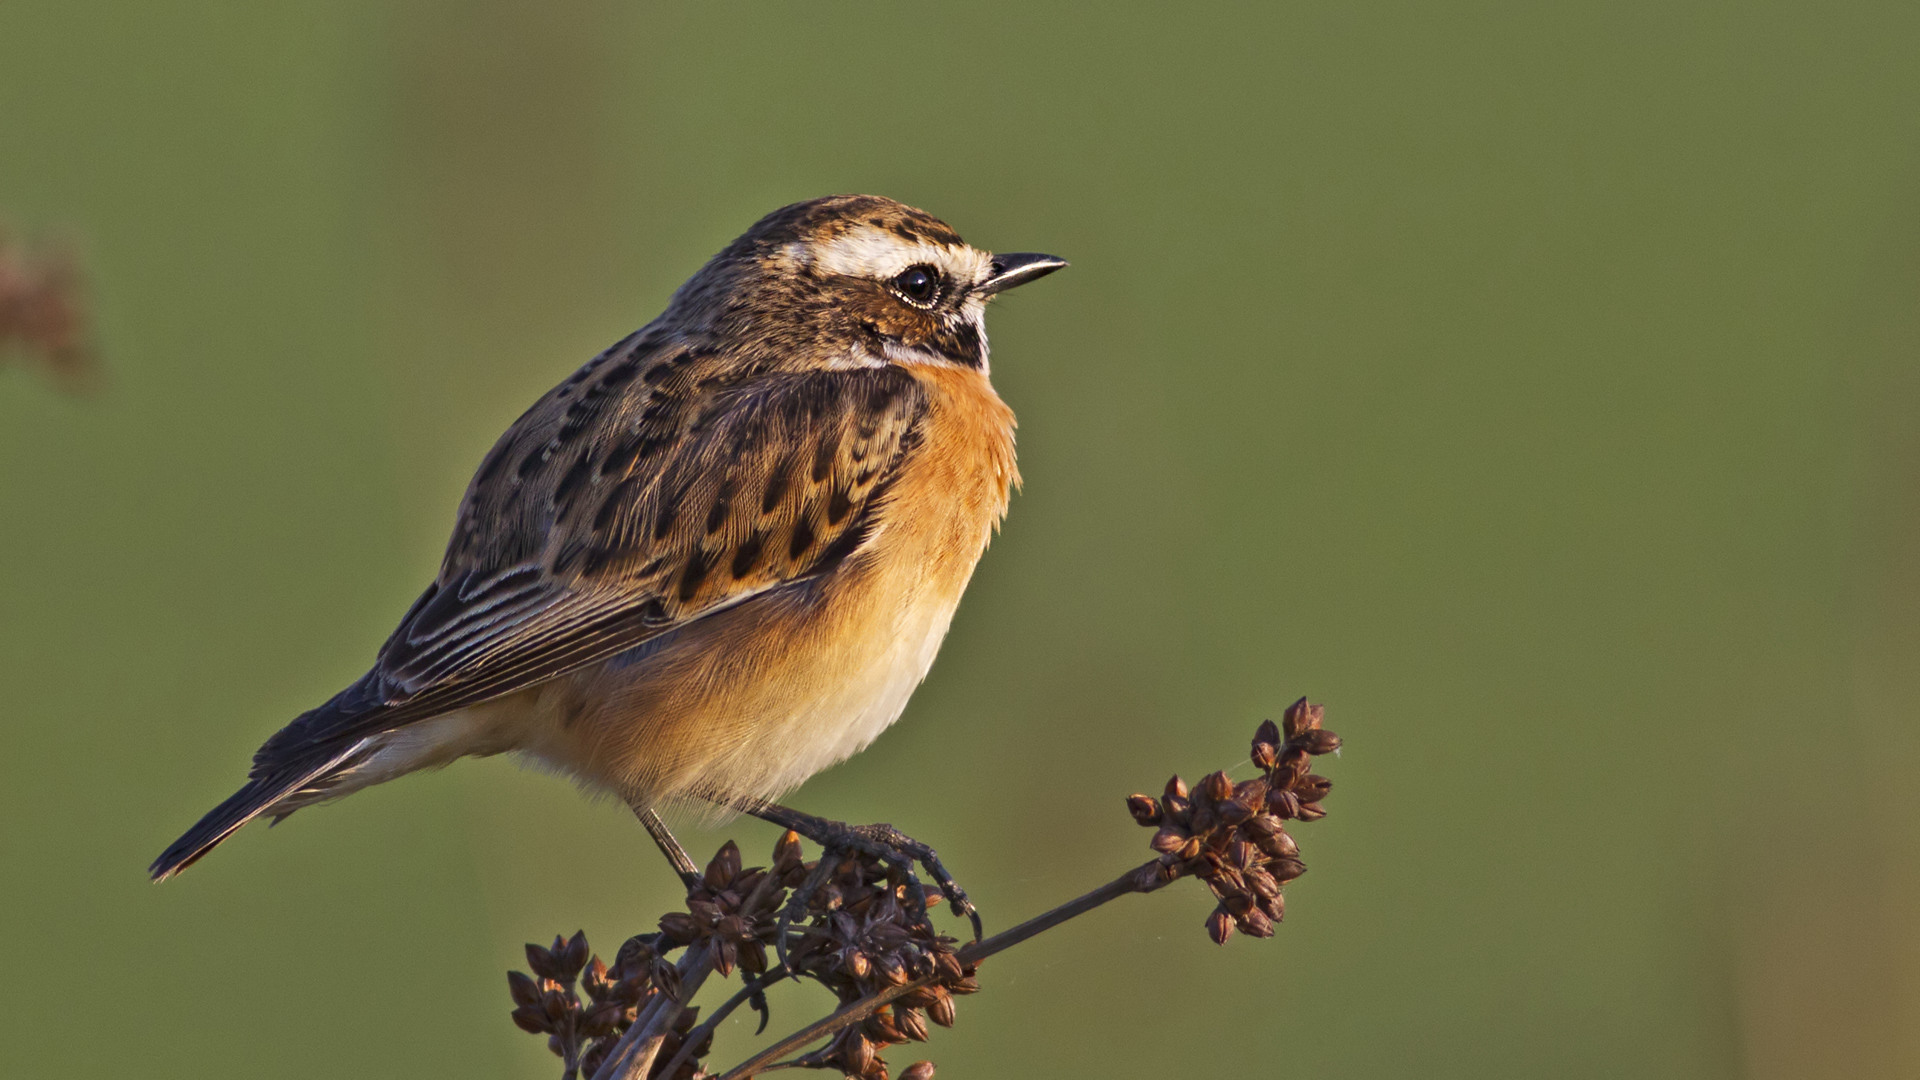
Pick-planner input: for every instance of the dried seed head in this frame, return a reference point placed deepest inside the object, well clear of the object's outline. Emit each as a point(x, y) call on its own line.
point(1282, 803)
point(1144, 808)
point(1176, 788)
point(678, 926)
point(1168, 840)
point(724, 867)
point(1254, 923)
point(946, 966)
point(856, 1053)
point(531, 1019)
point(854, 962)
point(1285, 870)
point(1312, 789)
point(1280, 845)
point(523, 989)
point(880, 1028)
point(573, 956)
point(1219, 926)
point(1262, 883)
point(1264, 825)
point(919, 1070)
point(1268, 732)
point(1216, 787)
point(1312, 811)
point(910, 1024)
point(1265, 754)
point(1318, 742)
point(543, 961)
point(666, 976)
point(786, 852)
point(635, 958)
point(1302, 717)
point(941, 1011)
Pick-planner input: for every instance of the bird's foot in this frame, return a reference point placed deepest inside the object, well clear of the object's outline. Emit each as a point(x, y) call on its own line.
point(897, 851)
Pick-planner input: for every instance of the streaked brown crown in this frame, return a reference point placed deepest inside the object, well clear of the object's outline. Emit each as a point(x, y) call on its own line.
point(812, 285)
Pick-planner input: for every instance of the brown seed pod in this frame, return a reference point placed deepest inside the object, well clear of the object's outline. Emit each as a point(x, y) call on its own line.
point(543, 962)
point(679, 928)
point(1219, 926)
point(919, 1070)
point(531, 1019)
point(1144, 808)
point(1302, 717)
point(856, 1053)
point(1312, 789)
point(523, 989)
point(1268, 732)
point(1254, 923)
point(1216, 787)
point(1283, 804)
point(910, 1024)
point(1318, 742)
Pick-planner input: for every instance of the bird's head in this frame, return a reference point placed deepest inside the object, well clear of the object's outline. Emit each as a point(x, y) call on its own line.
point(854, 281)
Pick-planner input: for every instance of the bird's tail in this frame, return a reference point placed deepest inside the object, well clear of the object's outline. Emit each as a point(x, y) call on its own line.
point(261, 795)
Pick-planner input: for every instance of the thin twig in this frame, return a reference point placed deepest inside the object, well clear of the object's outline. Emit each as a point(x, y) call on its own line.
point(633, 1055)
point(707, 1027)
point(1142, 879)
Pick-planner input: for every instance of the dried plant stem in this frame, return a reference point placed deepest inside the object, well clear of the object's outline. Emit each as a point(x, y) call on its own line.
point(1142, 879)
point(632, 1058)
point(712, 1023)
point(633, 1055)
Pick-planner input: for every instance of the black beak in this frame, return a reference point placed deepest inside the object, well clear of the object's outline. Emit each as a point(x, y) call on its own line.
point(1018, 269)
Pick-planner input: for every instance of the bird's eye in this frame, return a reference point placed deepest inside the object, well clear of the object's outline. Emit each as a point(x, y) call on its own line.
point(918, 284)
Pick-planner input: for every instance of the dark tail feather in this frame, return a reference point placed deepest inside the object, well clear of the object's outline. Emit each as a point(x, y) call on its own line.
point(257, 798)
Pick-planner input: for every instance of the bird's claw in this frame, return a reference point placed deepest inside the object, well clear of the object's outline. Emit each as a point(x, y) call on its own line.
point(900, 852)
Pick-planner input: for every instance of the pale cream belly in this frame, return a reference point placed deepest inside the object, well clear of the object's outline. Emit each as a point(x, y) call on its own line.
point(744, 704)
point(748, 703)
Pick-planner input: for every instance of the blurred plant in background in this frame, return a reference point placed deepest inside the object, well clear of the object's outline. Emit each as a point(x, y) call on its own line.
point(43, 312)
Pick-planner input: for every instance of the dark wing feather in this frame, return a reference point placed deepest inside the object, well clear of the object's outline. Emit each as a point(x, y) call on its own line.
point(649, 490)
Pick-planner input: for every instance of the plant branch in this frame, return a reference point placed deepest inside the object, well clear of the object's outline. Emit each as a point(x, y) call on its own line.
point(712, 1023)
point(1142, 879)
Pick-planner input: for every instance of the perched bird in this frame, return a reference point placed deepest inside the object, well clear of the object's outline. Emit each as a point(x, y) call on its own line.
point(716, 559)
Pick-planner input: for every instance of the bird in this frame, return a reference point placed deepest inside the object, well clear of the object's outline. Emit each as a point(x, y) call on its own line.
point(714, 560)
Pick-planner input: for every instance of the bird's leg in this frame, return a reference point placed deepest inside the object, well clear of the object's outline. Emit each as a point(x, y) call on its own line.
point(663, 837)
point(884, 842)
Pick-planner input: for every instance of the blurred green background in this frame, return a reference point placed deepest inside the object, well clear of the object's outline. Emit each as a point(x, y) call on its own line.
point(1534, 384)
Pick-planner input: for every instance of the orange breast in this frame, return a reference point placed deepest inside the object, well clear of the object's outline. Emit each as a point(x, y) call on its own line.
point(751, 701)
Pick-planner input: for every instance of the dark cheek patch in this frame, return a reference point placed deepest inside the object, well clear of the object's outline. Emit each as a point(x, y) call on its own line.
point(962, 345)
